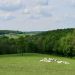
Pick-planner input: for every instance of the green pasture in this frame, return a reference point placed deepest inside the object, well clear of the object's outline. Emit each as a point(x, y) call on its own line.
point(30, 64)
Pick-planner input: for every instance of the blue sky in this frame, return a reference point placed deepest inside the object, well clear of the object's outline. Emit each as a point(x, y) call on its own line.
point(37, 15)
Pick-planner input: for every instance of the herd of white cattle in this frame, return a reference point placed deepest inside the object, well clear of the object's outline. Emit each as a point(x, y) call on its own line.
point(53, 60)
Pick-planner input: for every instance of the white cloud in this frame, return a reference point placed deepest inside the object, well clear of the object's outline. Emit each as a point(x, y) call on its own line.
point(10, 5)
point(8, 8)
point(37, 14)
point(42, 2)
point(10, 1)
point(6, 15)
point(38, 11)
point(26, 11)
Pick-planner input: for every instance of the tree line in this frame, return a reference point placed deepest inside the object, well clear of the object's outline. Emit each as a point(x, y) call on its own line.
point(58, 42)
point(2, 32)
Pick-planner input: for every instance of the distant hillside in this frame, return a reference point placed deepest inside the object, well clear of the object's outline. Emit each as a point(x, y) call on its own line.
point(18, 32)
point(33, 32)
point(61, 31)
point(58, 42)
point(10, 32)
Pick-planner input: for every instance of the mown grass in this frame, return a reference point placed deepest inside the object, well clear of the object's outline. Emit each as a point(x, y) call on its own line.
point(30, 64)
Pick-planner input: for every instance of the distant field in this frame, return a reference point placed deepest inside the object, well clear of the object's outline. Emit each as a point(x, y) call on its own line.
point(30, 64)
point(14, 35)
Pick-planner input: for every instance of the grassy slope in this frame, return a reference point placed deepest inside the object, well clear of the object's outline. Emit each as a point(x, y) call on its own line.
point(30, 64)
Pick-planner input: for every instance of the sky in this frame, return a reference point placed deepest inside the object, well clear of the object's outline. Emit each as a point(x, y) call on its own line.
point(37, 15)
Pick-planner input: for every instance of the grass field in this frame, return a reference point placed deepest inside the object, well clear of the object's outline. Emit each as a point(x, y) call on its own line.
point(30, 64)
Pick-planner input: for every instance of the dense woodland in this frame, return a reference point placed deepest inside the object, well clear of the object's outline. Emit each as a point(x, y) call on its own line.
point(58, 42)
